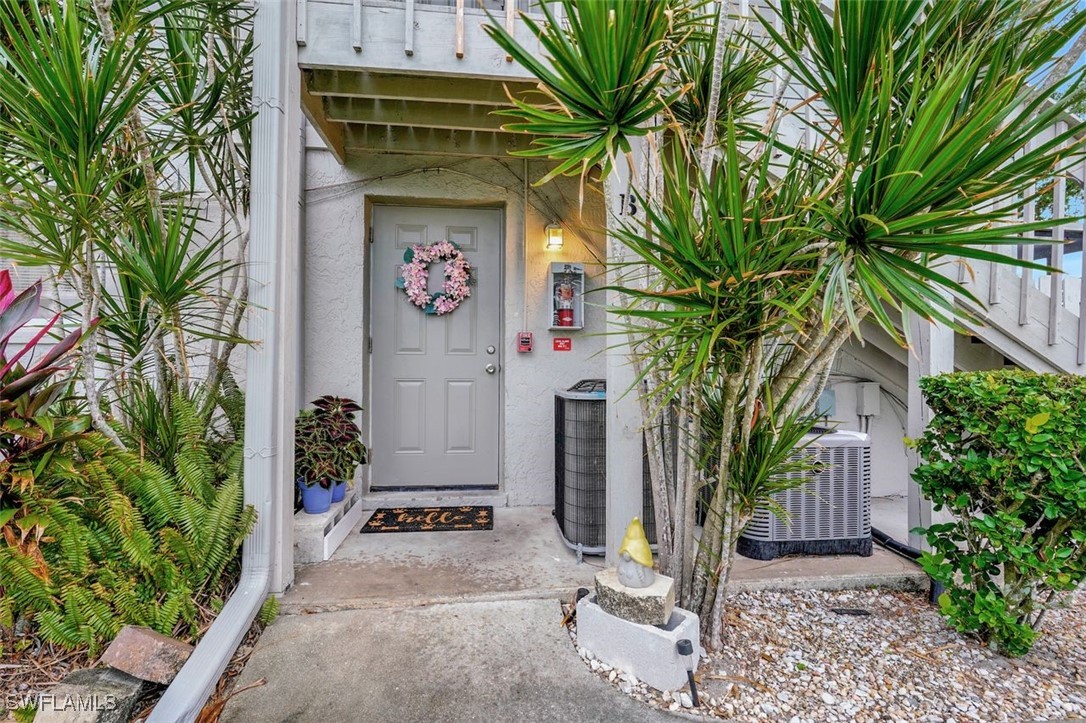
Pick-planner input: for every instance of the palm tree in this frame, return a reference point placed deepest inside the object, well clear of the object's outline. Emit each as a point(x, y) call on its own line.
point(775, 227)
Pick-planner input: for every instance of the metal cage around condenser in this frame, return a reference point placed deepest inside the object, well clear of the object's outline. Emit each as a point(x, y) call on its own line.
point(580, 468)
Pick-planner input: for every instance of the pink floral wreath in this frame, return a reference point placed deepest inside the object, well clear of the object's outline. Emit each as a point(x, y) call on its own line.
point(415, 276)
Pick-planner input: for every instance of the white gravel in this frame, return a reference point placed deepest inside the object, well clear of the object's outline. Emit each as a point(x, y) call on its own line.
point(789, 658)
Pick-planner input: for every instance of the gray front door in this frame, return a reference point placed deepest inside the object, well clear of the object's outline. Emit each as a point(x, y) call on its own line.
point(436, 381)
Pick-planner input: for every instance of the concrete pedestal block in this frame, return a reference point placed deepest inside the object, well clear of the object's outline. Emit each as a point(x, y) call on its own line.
point(650, 605)
point(316, 537)
point(647, 652)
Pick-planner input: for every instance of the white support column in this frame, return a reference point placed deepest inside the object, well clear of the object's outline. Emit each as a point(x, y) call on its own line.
point(624, 449)
point(271, 376)
point(267, 563)
point(932, 353)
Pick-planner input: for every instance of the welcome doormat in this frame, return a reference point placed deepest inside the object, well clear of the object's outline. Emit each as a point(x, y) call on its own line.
point(430, 519)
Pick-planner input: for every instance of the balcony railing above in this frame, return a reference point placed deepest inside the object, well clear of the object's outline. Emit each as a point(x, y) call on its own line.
point(412, 36)
point(1042, 314)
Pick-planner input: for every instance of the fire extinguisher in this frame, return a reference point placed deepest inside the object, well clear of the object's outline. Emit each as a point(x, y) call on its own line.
point(563, 301)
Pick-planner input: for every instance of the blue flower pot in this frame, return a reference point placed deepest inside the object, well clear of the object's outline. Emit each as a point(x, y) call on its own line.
point(315, 499)
point(339, 490)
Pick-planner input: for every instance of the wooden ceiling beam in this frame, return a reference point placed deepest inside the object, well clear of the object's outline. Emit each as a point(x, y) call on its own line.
point(448, 89)
point(433, 141)
point(330, 131)
point(447, 116)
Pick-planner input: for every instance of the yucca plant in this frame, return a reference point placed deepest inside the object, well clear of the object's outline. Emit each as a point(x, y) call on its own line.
point(65, 98)
point(772, 233)
point(124, 132)
point(604, 81)
point(124, 174)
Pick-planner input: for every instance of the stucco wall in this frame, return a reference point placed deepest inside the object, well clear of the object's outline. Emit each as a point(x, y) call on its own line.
point(336, 288)
point(856, 364)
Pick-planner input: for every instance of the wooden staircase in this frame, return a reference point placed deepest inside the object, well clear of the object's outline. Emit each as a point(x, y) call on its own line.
point(1038, 319)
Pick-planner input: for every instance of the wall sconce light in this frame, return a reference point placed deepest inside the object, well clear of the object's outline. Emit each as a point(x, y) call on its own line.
point(554, 237)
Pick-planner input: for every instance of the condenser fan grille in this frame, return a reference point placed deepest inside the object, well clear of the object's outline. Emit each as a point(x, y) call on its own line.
point(828, 514)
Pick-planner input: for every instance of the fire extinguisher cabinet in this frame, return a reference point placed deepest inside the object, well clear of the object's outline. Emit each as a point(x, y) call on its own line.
point(580, 469)
point(566, 287)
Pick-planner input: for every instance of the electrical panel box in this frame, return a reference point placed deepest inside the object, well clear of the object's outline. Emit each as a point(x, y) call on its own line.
point(827, 404)
point(567, 296)
point(868, 399)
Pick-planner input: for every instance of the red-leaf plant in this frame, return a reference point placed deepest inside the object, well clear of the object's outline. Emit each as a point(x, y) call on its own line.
point(27, 390)
point(327, 442)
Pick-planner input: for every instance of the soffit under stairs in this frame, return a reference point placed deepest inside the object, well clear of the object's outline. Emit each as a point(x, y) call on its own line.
point(361, 111)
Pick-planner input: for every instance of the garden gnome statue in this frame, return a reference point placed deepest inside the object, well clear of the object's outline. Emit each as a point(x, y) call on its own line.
point(635, 557)
point(632, 590)
point(631, 622)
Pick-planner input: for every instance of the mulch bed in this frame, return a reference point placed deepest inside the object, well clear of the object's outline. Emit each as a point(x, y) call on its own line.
point(29, 666)
point(797, 657)
point(224, 690)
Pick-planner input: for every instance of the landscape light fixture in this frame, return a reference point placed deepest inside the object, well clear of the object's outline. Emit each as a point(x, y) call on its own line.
point(686, 649)
point(554, 237)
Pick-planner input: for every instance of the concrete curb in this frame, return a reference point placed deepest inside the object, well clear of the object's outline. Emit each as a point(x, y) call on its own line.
point(906, 581)
point(910, 582)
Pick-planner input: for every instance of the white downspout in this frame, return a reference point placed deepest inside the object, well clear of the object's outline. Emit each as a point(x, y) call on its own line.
point(270, 386)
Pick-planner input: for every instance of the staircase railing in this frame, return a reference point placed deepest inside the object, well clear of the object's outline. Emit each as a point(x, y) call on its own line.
point(508, 10)
point(1042, 314)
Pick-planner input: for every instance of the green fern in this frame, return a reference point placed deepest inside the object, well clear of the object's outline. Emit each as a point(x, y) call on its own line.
point(269, 611)
point(129, 540)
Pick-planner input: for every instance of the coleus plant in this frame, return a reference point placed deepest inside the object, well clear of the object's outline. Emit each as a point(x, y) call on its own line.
point(327, 441)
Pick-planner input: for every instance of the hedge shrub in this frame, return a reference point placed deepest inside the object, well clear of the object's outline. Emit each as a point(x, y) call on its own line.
point(1004, 454)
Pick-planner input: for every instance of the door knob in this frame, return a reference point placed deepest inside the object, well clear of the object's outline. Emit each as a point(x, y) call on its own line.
point(490, 368)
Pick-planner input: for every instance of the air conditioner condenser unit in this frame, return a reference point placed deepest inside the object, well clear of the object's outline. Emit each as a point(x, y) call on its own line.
point(830, 514)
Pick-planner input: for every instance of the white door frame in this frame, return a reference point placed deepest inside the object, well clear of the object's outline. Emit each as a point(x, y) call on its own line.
point(492, 204)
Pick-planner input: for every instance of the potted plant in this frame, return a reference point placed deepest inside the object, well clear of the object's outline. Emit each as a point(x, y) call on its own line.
point(327, 451)
point(312, 456)
point(344, 438)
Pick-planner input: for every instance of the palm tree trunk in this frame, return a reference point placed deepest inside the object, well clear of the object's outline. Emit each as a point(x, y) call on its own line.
point(715, 637)
point(658, 479)
point(89, 291)
point(712, 534)
point(708, 136)
point(689, 440)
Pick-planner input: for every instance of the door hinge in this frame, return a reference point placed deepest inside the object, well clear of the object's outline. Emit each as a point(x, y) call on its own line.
point(371, 234)
point(369, 345)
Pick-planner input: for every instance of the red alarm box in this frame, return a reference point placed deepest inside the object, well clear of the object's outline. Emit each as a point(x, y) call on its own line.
point(524, 342)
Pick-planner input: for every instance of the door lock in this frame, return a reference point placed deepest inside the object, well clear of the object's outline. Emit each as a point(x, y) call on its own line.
point(490, 369)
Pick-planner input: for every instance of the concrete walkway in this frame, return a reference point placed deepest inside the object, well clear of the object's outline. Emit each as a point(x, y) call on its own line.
point(464, 626)
point(523, 557)
point(479, 661)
